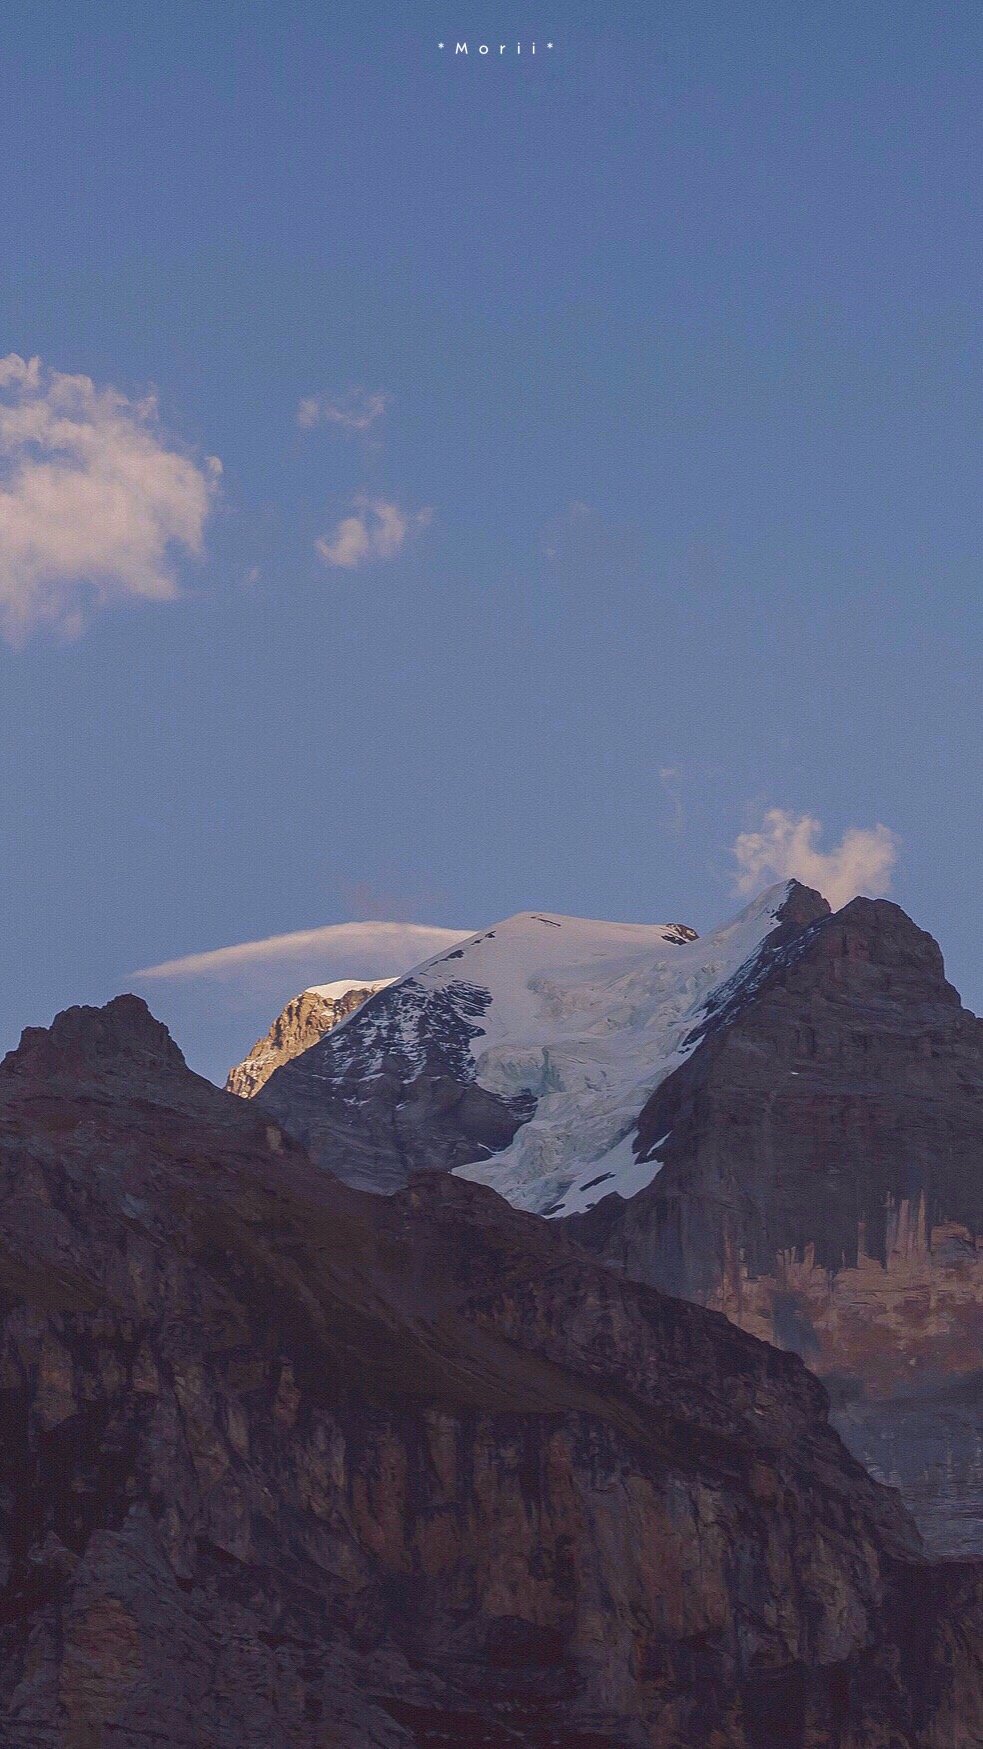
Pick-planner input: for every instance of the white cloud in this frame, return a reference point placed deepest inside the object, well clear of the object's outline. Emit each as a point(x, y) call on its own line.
point(356, 411)
point(785, 849)
point(315, 956)
point(93, 501)
point(377, 530)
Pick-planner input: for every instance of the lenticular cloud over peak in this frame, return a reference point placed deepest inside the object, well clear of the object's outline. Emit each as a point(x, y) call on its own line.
point(368, 949)
point(219, 1001)
point(95, 501)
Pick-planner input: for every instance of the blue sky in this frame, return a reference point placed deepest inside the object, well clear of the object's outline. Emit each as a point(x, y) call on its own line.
point(665, 513)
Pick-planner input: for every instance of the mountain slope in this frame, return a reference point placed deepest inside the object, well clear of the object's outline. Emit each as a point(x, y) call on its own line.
point(822, 1183)
point(289, 1467)
point(527, 1053)
point(783, 1120)
point(305, 1019)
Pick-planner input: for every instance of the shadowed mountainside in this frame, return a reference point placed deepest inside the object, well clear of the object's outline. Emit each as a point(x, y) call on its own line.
point(782, 1120)
point(822, 1184)
point(284, 1464)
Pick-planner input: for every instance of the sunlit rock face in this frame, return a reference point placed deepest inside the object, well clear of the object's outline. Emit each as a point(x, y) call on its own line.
point(286, 1466)
point(304, 1020)
point(822, 1184)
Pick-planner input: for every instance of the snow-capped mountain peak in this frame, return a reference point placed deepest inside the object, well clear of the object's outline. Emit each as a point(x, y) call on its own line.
point(344, 986)
point(522, 1056)
point(590, 1022)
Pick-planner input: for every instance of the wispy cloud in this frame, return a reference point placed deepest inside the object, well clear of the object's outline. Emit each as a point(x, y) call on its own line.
point(94, 500)
point(558, 530)
point(671, 779)
point(376, 530)
point(785, 848)
point(216, 1003)
point(366, 949)
point(394, 896)
point(355, 412)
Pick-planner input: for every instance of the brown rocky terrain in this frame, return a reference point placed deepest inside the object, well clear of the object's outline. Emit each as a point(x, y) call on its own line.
point(822, 1184)
point(287, 1465)
point(305, 1019)
point(818, 1160)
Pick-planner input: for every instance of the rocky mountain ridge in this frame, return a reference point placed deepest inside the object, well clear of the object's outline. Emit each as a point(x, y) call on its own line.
point(304, 1020)
point(289, 1465)
point(783, 1120)
point(822, 1183)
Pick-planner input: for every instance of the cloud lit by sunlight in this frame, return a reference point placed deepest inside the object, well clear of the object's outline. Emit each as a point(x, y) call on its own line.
point(94, 500)
point(785, 848)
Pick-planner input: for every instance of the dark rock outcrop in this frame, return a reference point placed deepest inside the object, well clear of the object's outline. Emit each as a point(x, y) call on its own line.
point(286, 1465)
point(823, 1185)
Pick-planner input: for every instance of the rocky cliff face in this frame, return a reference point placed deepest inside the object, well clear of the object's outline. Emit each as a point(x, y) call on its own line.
point(286, 1465)
point(789, 1114)
point(304, 1020)
point(822, 1183)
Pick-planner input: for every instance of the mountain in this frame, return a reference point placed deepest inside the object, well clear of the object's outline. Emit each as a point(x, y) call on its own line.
point(304, 1020)
point(532, 1047)
point(782, 1120)
point(822, 1183)
point(288, 1466)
